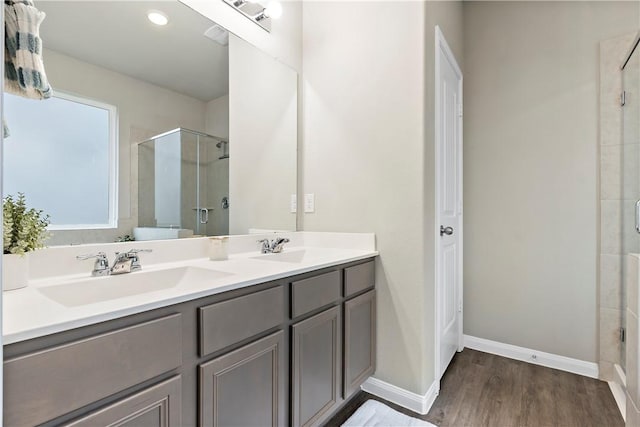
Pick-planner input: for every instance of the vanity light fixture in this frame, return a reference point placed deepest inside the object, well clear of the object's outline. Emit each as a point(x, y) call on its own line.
point(240, 3)
point(257, 12)
point(157, 17)
point(273, 10)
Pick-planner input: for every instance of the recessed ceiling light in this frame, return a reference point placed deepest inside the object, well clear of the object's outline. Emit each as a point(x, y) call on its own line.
point(157, 17)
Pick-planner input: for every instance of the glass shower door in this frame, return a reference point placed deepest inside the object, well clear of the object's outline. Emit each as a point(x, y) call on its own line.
point(183, 183)
point(159, 177)
point(630, 177)
point(206, 171)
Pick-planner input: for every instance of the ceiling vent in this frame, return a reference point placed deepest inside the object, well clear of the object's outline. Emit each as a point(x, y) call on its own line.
point(218, 35)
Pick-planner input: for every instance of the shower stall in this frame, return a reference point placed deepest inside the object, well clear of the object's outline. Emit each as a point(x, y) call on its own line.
point(183, 184)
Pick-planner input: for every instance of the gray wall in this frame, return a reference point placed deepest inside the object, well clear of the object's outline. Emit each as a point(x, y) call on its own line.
point(368, 116)
point(531, 168)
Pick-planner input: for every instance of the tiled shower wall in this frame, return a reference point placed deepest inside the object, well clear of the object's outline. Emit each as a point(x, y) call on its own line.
point(617, 200)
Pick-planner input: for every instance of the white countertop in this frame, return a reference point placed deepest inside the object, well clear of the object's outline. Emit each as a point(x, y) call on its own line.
point(28, 313)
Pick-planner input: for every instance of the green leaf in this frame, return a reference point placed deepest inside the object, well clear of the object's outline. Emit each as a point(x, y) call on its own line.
point(24, 229)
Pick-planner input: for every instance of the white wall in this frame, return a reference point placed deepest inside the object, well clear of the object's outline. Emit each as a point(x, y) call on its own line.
point(368, 92)
point(143, 109)
point(262, 140)
point(217, 117)
point(531, 165)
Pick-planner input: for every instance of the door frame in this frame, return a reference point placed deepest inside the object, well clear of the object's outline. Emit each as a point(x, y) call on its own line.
point(442, 49)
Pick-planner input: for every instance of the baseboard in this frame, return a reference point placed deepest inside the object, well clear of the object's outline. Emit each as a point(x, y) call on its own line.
point(402, 397)
point(620, 397)
point(576, 366)
point(619, 376)
point(619, 389)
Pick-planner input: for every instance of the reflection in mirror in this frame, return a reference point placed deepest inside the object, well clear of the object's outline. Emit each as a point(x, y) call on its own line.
point(183, 185)
point(199, 139)
point(76, 137)
point(263, 138)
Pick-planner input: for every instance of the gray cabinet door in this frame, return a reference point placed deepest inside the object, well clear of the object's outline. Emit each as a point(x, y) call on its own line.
point(156, 406)
point(317, 367)
point(359, 341)
point(245, 387)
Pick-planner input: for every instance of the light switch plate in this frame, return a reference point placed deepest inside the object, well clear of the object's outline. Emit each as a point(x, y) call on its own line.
point(294, 203)
point(309, 203)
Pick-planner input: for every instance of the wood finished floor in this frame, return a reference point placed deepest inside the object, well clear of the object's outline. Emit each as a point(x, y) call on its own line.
point(481, 389)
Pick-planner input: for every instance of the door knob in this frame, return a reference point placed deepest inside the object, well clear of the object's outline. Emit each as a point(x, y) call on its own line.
point(446, 230)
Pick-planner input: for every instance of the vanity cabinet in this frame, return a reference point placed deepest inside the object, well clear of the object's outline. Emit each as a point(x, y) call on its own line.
point(245, 387)
point(43, 385)
point(285, 352)
point(359, 341)
point(315, 292)
point(359, 278)
point(324, 374)
point(316, 366)
point(156, 406)
point(228, 322)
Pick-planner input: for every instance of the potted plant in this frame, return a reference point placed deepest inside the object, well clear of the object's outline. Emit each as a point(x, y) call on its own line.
point(24, 230)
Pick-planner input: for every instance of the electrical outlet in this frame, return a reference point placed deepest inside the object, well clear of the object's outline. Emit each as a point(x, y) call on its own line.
point(309, 203)
point(294, 203)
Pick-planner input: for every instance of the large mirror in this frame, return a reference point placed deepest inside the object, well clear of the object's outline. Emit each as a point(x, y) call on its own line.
point(154, 131)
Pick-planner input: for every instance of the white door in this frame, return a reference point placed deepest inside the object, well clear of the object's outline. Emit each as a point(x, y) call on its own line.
point(448, 205)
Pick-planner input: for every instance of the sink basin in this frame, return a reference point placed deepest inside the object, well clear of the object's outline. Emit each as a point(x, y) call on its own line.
point(291, 256)
point(99, 289)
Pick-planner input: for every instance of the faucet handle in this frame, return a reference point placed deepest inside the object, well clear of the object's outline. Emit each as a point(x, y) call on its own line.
point(101, 266)
point(98, 255)
point(136, 251)
point(135, 261)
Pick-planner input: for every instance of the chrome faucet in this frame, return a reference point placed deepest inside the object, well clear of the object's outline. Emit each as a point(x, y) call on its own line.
point(266, 246)
point(274, 246)
point(125, 262)
point(278, 244)
point(101, 266)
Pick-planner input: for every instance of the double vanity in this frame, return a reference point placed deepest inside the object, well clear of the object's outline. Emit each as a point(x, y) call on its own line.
point(258, 339)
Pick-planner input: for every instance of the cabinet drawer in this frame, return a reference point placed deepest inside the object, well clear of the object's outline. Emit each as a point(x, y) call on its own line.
point(159, 406)
point(358, 278)
point(45, 385)
point(229, 322)
point(314, 292)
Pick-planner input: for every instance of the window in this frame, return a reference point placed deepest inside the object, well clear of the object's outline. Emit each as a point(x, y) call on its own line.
point(61, 153)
